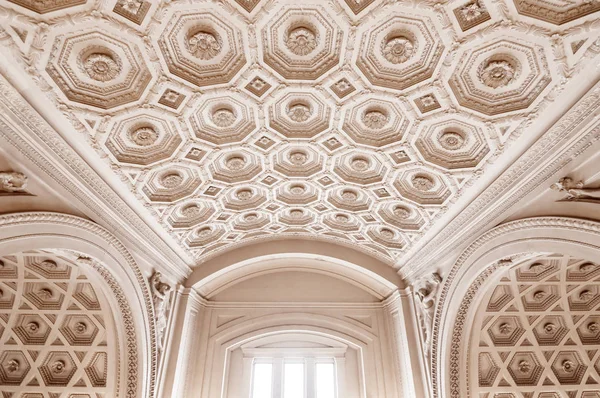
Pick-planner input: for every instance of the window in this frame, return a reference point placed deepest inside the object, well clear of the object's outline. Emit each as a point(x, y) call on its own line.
point(294, 377)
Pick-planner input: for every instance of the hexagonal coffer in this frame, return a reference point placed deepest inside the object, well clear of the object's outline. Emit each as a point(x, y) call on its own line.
point(79, 330)
point(31, 329)
point(58, 368)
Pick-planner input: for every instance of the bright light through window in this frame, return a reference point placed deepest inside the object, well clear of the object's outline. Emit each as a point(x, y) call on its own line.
point(293, 380)
point(262, 380)
point(325, 375)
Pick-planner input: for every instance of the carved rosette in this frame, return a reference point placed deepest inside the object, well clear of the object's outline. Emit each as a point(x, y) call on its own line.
point(143, 139)
point(202, 48)
point(452, 143)
point(98, 69)
point(204, 235)
point(402, 215)
point(387, 237)
point(298, 161)
point(360, 168)
point(223, 120)
point(400, 51)
point(236, 166)
point(375, 122)
point(297, 193)
point(190, 213)
point(251, 221)
point(244, 197)
point(501, 76)
point(299, 115)
point(171, 184)
point(344, 222)
point(295, 217)
point(349, 199)
point(422, 186)
point(302, 43)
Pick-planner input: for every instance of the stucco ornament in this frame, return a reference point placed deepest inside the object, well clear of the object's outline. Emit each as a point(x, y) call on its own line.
point(422, 183)
point(160, 298)
point(398, 49)
point(204, 45)
point(451, 140)
point(497, 73)
point(102, 67)
point(223, 117)
point(375, 119)
point(301, 41)
point(12, 182)
point(299, 112)
point(576, 191)
point(144, 136)
point(426, 291)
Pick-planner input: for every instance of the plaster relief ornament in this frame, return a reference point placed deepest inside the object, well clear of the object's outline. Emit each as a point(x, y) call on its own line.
point(204, 45)
point(160, 298)
point(422, 183)
point(451, 140)
point(244, 194)
point(375, 119)
point(298, 158)
point(171, 180)
point(398, 49)
point(235, 163)
point(299, 112)
point(12, 182)
point(144, 136)
point(223, 117)
point(426, 293)
point(360, 164)
point(298, 190)
point(524, 366)
point(58, 367)
point(13, 366)
point(593, 327)
point(349, 196)
point(505, 328)
point(301, 41)
point(576, 192)
point(102, 67)
point(296, 213)
point(472, 11)
point(497, 73)
point(402, 212)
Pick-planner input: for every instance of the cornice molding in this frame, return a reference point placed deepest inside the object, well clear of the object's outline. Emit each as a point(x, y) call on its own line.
point(446, 297)
point(568, 139)
point(35, 139)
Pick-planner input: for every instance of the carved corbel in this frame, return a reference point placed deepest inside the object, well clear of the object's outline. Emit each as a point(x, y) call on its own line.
point(576, 191)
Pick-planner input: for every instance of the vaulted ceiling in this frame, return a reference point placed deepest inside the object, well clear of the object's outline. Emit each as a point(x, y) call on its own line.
point(359, 122)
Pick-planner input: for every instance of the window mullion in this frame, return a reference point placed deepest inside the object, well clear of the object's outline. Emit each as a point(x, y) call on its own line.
point(277, 377)
point(310, 379)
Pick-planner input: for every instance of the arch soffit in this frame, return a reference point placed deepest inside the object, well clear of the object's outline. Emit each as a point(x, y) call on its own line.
point(471, 274)
point(46, 230)
point(343, 263)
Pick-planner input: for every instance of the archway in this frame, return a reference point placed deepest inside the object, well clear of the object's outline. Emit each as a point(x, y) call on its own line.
point(498, 260)
point(48, 255)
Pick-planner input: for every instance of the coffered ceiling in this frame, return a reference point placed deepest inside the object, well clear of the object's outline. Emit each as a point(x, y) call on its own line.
point(359, 122)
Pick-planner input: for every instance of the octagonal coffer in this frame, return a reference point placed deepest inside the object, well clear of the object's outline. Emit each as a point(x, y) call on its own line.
point(98, 69)
point(453, 144)
point(299, 115)
point(375, 122)
point(143, 139)
point(402, 50)
point(503, 75)
point(202, 48)
point(302, 43)
point(223, 120)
